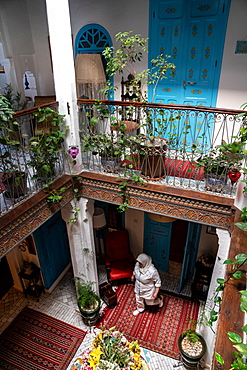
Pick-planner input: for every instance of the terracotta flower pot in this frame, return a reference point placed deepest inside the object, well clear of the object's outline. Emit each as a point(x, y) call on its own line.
point(153, 161)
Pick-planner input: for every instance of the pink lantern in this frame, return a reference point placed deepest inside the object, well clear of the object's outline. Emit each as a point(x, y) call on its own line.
point(73, 151)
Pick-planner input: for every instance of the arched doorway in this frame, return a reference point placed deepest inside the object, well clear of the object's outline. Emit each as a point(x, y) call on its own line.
point(90, 65)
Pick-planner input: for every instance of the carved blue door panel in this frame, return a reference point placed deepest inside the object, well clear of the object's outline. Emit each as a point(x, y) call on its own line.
point(52, 245)
point(157, 236)
point(193, 33)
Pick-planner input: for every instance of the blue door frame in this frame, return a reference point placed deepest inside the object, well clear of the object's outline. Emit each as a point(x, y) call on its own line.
point(52, 245)
point(157, 238)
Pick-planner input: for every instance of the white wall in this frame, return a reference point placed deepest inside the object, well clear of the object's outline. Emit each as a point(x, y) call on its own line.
point(233, 81)
point(218, 272)
point(17, 38)
point(134, 223)
point(208, 243)
point(23, 29)
point(43, 65)
point(115, 16)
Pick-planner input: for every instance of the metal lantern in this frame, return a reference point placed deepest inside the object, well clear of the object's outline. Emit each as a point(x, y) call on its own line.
point(73, 151)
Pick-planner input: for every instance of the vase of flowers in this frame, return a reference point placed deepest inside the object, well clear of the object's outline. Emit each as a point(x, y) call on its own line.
point(110, 350)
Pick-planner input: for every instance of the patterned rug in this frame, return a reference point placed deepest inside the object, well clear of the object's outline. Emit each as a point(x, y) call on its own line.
point(155, 329)
point(35, 341)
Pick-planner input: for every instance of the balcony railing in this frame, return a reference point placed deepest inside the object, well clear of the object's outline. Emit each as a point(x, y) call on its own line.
point(18, 178)
point(165, 144)
point(162, 144)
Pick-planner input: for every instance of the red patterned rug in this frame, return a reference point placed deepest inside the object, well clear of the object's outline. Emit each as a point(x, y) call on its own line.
point(35, 341)
point(155, 329)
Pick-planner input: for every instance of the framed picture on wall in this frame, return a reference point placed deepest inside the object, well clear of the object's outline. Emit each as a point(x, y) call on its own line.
point(211, 230)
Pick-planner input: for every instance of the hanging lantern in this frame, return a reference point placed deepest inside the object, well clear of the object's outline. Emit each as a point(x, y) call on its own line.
point(73, 151)
point(234, 175)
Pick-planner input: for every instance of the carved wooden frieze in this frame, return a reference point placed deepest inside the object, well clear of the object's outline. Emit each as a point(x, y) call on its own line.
point(200, 211)
point(183, 204)
point(33, 217)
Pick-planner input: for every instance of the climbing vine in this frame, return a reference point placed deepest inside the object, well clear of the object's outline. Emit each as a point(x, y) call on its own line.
point(240, 352)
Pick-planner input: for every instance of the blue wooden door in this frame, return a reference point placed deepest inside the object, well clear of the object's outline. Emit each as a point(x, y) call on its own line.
point(190, 253)
point(193, 33)
point(157, 236)
point(53, 248)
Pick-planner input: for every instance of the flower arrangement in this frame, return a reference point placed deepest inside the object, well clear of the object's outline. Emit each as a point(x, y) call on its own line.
point(110, 350)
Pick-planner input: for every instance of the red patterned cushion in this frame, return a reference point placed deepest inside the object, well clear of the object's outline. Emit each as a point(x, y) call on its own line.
point(185, 169)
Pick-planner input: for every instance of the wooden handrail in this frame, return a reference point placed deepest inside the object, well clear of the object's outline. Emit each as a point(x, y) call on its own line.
point(34, 109)
point(162, 106)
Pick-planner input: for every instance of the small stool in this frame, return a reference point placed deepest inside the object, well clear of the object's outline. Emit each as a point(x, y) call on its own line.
point(108, 295)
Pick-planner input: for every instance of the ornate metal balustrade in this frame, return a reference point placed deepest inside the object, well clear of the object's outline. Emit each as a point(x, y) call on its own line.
point(160, 143)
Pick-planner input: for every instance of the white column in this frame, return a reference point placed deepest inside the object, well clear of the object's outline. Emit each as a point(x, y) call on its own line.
point(224, 240)
point(81, 240)
point(63, 69)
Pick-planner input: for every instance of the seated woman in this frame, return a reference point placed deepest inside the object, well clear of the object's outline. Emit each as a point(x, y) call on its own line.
point(147, 284)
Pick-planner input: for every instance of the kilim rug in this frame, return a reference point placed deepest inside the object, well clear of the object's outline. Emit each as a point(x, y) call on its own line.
point(35, 341)
point(155, 329)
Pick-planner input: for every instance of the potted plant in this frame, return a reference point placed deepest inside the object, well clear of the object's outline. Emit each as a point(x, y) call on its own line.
point(46, 146)
point(14, 180)
point(219, 161)
point(16, 103)
point(192, 345)
point(124, 60)
point(110, 146)
point(88, 301)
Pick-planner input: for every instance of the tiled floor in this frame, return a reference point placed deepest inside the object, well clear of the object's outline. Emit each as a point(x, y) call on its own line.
point(62, 304)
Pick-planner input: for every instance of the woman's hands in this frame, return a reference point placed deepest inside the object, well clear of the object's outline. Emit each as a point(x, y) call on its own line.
point(132, 277)
point(155, 295)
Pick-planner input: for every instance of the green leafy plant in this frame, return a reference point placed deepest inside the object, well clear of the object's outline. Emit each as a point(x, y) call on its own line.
point(13, 178)
point(241, 348)
point(46, 145)
point(7, 123)
point(55, 195)
point(243, 225)
point(242, 137)
point(76, 197)
point(222, 158)
point(86, 297)
point(15, 98)
point(124, 188)
point(190, 331)
point(125, 59)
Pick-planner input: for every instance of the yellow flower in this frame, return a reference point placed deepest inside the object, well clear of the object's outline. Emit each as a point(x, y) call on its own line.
point(136, 356)
point(137, 365)
point(100, 335)
point(94, 357)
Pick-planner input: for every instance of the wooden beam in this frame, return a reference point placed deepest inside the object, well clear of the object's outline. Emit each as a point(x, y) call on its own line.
point(20, 222)
point(231, 318)
point(170, 201)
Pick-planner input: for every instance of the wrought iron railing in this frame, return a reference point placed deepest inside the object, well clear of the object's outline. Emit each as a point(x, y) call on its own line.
point(163, 144)
point(18, 178)
point(182, 146)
